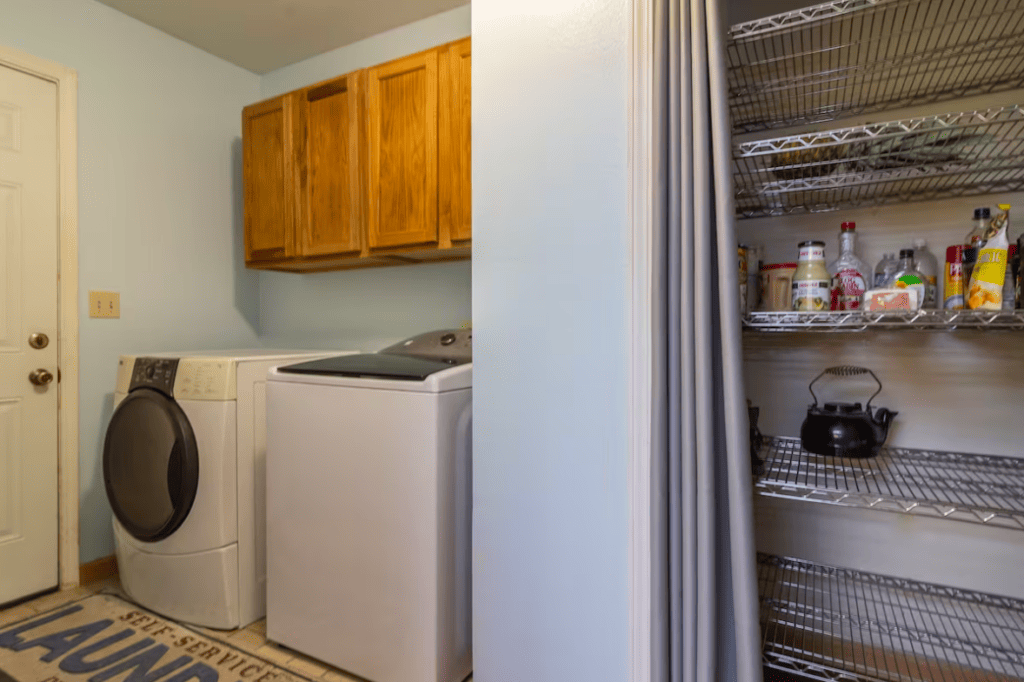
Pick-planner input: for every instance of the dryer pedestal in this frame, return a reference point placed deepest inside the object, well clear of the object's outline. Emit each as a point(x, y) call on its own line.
point(199, 588)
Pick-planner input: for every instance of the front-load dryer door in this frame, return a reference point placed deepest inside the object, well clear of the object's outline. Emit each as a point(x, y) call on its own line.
point(150, 464)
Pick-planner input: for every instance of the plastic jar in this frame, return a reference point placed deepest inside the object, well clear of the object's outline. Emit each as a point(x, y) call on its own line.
point(812, 285)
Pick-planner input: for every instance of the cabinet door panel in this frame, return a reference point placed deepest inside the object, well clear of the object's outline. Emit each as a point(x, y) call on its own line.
point(330, 206)
point(267, 180)
point(455, 183)
point(402, 108)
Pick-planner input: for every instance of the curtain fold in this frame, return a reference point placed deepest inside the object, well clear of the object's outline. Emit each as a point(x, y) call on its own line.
point(708, 630)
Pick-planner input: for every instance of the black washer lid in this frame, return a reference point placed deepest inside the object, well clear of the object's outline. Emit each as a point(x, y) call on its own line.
point(373, 365)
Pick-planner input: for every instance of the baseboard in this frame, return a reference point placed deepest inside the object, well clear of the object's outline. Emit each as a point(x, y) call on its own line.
point(94, 571)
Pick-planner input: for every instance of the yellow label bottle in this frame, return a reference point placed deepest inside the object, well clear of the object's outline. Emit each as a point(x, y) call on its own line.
point(986, 289)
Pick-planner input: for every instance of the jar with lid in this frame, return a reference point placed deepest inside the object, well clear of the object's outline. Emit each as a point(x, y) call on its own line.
point(812, 284)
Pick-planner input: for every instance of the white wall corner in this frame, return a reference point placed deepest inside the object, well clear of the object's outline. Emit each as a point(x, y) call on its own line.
point(641, 545)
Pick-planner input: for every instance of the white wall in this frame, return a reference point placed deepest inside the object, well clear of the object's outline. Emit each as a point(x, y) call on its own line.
point(550, 314)
point(404, 40)
point(159, 202)
point(371, 308)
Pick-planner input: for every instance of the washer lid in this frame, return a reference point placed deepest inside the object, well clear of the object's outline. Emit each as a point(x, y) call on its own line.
point(374, 365)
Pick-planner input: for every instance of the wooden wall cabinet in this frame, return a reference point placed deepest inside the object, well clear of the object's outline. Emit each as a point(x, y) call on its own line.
point(455, 149)
point(402, 114)
point(330, 202)
point(371, 168)
point(267, 166)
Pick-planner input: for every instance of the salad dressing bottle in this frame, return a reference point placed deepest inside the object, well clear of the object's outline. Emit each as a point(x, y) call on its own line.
point(849, 274)
point(811, 281)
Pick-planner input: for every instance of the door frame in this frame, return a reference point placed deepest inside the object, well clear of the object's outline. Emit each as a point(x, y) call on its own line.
point(66, 81)
point(642, 609)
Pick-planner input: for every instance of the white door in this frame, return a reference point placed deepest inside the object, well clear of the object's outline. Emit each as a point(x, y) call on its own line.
point(28, 306)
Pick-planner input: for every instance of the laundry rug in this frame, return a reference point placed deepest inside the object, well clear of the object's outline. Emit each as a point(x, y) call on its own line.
point(105, 638)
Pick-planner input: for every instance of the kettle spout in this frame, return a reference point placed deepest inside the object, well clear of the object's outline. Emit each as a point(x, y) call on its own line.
point(882, 419)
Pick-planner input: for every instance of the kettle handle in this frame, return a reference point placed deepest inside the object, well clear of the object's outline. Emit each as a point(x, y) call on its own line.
point(847, 371)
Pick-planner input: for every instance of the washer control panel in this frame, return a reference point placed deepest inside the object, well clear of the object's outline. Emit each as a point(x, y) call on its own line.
point(453, 346)
point(155, 373)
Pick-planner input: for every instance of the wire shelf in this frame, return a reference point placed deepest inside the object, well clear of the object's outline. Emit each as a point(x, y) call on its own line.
point(850, 57)
point(830, 624)
point(980, 489)
point(857, 321)
point(956, 154)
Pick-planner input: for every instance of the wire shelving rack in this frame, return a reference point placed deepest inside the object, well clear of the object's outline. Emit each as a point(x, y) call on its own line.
point(982, 489)
point(833, 624)
point(857, 321)
point(849, 57)
point(917, 159)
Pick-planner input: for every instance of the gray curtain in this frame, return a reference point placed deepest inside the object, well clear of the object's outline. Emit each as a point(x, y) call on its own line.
point(708, 629)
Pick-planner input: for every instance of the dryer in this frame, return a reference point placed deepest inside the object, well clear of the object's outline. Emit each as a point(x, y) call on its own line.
point(184, 470)
point(368, 500)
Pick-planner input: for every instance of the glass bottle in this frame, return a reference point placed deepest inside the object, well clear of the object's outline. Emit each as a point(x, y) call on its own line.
point(880, 270)
point(849, 274)
point(811, 281)
point(909, 277)
point(884, 271)
point(976, 237)
point(928, 264)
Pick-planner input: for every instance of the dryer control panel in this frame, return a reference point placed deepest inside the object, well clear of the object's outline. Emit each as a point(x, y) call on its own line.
point(185, 378)
point(155, 373)
point(205, 379)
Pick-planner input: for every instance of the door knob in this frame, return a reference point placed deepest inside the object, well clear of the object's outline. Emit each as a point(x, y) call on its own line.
point(39, 340)
point(40, 377)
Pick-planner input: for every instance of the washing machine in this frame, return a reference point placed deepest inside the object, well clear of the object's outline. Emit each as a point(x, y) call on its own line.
point(184, 469)
point(368, 503)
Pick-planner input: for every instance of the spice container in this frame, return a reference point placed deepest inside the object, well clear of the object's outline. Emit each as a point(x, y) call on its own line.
point(812, 284)
point(953, 279)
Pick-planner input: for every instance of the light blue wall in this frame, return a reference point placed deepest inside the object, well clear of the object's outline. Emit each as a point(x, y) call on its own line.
point(159, 208)
point(365, 309)
point(551, 348)
point(160, 211)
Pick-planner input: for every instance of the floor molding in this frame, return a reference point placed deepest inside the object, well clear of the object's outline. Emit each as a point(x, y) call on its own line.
point(94, 571)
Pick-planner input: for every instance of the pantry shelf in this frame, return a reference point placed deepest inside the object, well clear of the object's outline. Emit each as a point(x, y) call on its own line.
point(830, 623)
point(857, 321)
point(850, 57)
point(981, 489)
point(955, 154)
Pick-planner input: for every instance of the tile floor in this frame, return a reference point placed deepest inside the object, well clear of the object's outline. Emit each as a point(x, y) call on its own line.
point(252, 638)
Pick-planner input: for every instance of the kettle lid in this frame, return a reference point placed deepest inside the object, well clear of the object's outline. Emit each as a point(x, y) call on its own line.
point(844, 408)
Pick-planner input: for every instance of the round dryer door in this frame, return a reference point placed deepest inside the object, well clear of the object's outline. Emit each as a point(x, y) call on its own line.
point(150, 464)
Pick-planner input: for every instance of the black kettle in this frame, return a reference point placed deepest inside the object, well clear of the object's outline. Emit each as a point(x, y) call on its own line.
point(845, 429)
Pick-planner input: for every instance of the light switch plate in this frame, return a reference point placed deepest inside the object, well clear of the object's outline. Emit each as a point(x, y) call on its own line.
point(104, 304)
